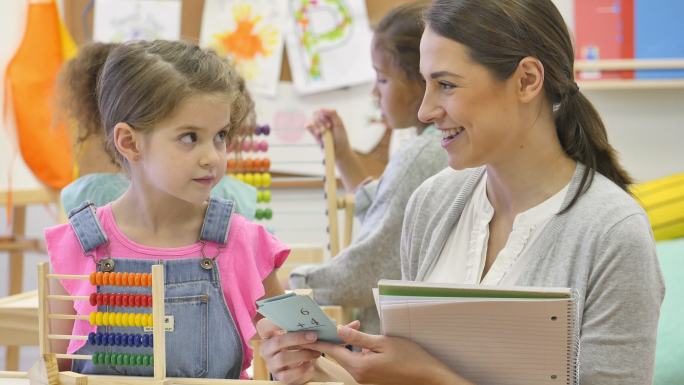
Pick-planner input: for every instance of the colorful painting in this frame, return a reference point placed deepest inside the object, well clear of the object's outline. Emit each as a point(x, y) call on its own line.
point(250, 33)
point(324, 35)
point(124, 20)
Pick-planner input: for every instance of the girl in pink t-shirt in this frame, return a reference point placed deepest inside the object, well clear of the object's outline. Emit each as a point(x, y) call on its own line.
point(168, 109)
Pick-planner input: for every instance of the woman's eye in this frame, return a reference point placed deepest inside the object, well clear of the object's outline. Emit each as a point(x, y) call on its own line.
point(221, 136)
point(188, 138)
point(446, 86)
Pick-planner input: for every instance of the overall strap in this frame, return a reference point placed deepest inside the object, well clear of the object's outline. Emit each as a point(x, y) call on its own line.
point(217, 220)
point(87, 227)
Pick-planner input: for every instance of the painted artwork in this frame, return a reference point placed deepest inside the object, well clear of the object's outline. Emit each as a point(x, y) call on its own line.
point(328, 44)
point(250, 33)
point(123, 20)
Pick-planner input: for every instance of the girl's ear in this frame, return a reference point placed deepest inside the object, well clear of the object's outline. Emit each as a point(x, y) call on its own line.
point(530, 73)
point(127, 142)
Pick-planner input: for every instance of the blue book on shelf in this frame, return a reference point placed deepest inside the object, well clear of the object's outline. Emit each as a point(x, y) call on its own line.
point(659, 31)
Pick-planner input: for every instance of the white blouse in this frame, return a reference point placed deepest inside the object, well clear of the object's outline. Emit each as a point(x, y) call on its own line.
point(463, 256)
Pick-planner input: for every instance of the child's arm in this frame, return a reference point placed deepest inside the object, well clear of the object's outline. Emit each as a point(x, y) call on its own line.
point(64, 327)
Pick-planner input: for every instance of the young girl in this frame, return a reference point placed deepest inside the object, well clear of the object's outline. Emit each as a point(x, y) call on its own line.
point(101, 180)
point(168, 109)
point(380, 204)
point(539, 199)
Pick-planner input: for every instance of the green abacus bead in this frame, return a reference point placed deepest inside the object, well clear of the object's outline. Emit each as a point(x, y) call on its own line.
point(146, 360)
point(96, 358)
point(266, 196)
point(127, 360)
point(120, 359)
point(139, 360)
point(268, 213)
point(151, 360)
point(258, 214)
point(106, 358)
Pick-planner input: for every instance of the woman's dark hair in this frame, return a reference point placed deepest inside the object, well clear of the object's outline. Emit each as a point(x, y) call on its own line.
point(398, 35)
point(500, 33)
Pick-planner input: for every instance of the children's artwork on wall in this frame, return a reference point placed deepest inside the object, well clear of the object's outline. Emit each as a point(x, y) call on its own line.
point(124, 20)
point(328, 44)
point(292, 148)
point(250, 33)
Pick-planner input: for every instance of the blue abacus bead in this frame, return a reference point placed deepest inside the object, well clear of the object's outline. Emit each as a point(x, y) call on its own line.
point(98, 339)
point(265, 130)
point(117, 339)
point(138, 340)
point(146, 340)
point(151, 340)
point(257, 130)
point(110, 339)
point(131, 340)
point(91, 338)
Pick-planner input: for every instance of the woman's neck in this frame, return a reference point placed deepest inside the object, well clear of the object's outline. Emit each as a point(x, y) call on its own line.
point(538, 170)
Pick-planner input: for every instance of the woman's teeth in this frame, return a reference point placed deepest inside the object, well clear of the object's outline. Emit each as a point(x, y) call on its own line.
point(452, 133)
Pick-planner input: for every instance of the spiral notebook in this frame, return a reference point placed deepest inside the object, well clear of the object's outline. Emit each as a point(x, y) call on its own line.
point(489, 335)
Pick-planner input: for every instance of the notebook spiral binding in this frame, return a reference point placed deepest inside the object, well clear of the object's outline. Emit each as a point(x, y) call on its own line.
point(573, 342)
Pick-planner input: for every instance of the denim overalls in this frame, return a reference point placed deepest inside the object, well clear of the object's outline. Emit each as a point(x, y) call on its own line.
point(205, 341)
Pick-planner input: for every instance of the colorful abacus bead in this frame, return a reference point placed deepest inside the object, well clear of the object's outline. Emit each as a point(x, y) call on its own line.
point(122, 359)
point(257, 180)
point(263, 196)
point(262, 146)
point(266, 179)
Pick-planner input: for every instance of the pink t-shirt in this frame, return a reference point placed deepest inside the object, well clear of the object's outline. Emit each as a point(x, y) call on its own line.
point(251, 254)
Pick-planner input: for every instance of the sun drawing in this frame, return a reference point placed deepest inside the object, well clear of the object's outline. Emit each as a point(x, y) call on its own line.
point(247, 41)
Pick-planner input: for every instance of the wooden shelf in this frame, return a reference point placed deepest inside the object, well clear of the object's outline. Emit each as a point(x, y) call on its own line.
point(629, 65)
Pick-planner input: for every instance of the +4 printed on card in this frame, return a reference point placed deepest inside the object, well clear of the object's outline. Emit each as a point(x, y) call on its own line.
point(296, 313)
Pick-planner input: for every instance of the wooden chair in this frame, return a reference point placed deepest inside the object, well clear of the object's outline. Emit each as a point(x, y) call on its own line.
point(16, 244)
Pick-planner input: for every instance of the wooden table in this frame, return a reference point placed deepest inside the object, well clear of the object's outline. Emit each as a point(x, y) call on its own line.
point(16, 244)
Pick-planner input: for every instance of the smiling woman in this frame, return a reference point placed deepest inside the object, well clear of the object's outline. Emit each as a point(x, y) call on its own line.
point(534, 197)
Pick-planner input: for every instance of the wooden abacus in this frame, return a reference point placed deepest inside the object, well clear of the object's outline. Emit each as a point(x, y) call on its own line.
point(333, 203)
point(155, 280)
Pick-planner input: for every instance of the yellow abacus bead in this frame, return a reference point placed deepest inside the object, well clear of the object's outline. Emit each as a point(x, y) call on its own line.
point(266, 177)
point(249, 179)
point(126, 320)
point(121, 319)
point(102, 318)
point(148, 319)
point(93, 319)
point(138, 320)
point(240, 177)
point(258, 180)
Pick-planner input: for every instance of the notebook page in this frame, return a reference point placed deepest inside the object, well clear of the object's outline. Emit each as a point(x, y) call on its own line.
point(492, 342)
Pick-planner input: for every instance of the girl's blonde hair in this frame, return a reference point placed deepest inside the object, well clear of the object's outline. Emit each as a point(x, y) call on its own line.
point(142, 83)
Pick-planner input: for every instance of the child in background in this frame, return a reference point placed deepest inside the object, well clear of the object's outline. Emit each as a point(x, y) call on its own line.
point(380, 204)
point(168, 110)
point(101, 180)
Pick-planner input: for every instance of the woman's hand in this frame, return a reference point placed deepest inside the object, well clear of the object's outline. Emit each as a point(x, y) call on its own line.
point(284, 358)
point(387, 360)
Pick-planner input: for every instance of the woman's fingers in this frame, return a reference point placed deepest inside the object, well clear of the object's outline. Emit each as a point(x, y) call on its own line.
point(275, 344)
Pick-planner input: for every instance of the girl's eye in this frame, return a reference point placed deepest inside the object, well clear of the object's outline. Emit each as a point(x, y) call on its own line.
point(221, 136)
point(188, 138)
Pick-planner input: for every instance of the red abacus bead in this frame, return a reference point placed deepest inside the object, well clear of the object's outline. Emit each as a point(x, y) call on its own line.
point(149, 301)
point(136, 301)
point(130, 300)
point(93, 299)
